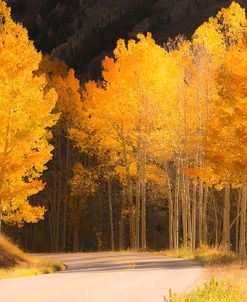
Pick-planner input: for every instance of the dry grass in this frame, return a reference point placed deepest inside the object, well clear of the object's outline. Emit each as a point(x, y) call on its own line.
point(15, 263)
point(205, 255)
point(233, 274)
point(11, 255)
point(226, 277)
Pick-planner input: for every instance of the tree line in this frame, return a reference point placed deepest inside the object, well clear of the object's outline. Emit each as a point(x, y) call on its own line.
point(151, 155)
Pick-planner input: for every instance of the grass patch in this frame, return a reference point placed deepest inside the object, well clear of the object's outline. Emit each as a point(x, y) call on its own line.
point(226, 278)
point(11, 255)
point(15, 263)
point(214, 291)
point(206, 256)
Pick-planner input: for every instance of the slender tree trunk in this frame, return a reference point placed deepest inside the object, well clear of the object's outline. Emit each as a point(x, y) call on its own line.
point(205, 207)
point(170, 214)
point(226, 218)
point(184, 162)
point(121, 231)
point(189, 212)
point(51, 231)
point(131, 215)
point(144, 231)
point(194, 217)
point(176, 210)
point(53, 202)
point(237, 223)
point(138, 200)
point(54, 208)
point(216, 221)
point(200, 216)
point(144, 200)
point(242, 239)
point(65, 213)
point(122, 222)
point(130, 201)
point(59, 193)
point(111, 215)
point(66, 195)
point(184, 211)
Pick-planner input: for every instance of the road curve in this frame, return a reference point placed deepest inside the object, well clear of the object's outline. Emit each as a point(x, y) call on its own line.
point(105, 277)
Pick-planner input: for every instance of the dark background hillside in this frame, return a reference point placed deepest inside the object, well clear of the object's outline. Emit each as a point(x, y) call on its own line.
point(81, 32)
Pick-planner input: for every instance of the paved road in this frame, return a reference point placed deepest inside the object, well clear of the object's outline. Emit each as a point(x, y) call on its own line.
point(105, 277)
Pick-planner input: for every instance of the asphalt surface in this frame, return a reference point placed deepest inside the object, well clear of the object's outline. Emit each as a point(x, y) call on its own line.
point(105, 277)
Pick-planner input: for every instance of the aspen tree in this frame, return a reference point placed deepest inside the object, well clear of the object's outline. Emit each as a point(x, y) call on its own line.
point(26, 118)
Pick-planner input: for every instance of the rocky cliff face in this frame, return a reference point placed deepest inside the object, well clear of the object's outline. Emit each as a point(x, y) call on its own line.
point(82, 32)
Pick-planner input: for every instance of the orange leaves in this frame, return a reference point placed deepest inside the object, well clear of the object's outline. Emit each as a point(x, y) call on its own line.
point(206, 174)
point(232, 21)
point(25, 121)
point(121, 113)
point(67, 86)
point(220, 50)
point(120, 50)
point(228, 128)
point(156, 175)
point(185, 103)
point(84, 181)
point(108, 65)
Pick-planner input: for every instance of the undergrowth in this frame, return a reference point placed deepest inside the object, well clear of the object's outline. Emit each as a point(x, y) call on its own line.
point(15, 263)
point(226, 278)
point(205, 255)
point(214, 291)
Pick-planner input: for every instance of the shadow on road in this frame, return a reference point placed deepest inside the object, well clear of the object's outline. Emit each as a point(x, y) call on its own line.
point(125, 262)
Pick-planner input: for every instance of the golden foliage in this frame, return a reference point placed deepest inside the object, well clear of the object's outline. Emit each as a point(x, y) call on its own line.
point(25, 121)
point(183, 103)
